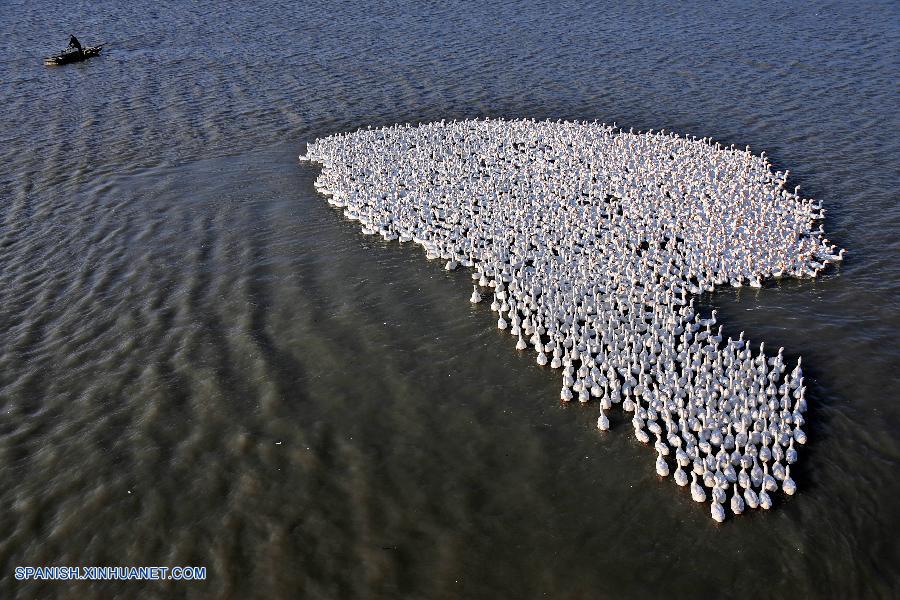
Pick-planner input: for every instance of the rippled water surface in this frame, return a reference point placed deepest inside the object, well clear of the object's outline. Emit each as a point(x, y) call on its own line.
point(202, 363)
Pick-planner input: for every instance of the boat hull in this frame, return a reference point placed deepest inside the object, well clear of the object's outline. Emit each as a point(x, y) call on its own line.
point(64, 58)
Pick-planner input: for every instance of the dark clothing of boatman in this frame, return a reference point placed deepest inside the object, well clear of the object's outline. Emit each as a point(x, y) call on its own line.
point(74, 44)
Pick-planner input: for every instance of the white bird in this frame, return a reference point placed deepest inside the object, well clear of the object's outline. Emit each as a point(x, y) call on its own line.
point(790, 455)
point(591, 240)
point(751, 498)
point(718, 494)
point(788, 484)
point(681, 477)
point(521, 345)
point(602, 421)
point(717, 511)
point(662, 468)
point(737, 503)
point(659, 445)
point(778, 471)
point(698, 494)
point(769, 484)
point(641, 435)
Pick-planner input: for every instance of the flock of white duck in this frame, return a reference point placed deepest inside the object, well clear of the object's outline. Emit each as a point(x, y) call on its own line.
point(591, 243)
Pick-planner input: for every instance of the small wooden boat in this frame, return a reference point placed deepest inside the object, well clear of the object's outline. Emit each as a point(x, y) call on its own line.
point(70, 56)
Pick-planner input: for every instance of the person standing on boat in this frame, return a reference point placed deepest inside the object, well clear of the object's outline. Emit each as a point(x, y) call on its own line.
point(74, 44)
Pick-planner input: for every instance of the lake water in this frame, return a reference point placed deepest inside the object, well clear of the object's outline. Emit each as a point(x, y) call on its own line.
point(201, 363)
